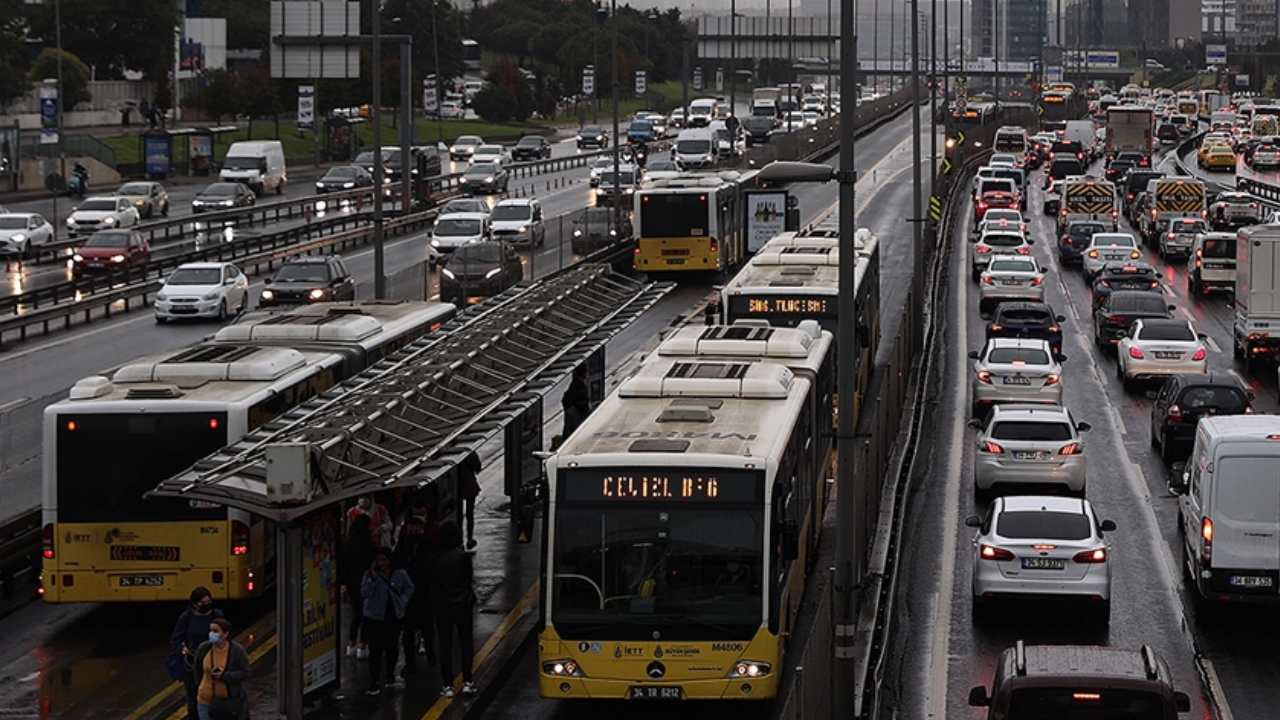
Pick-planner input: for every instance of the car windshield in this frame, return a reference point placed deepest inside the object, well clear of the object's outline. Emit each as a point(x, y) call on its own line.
point(1002, 214)
point(303, 272)
point(1164, 331)
point(1059, 703)
point(244, 163)
point(457, 226)
point(1043, 525)
point(624, 178)
point(997, 185)
point(495, 150)
point(1224, 398)
point(13, 222)
point(220, 189)
point(513, 212)
point(486, 252)
point(1218, 248)
point(1101, 240)
point(464, 205)
point(661, 166)
point(195, 276)
point(1024, 316)
point(483, 169)
point(1013, 175)
point(342, 173)
point(134, 189)
point(98, 206)
point(591, 132)
point(108, 239)
point(1031, 430)
point(1146, 303)
point(693, 147)
point(1011, 265)
point(1003, 240)
point(1085, 230)
point(641, 125)
point(599, 217)
point(1138, 181)
point(1188, 226)
point(529, 142)
point(1026, 356)
point(468, 140)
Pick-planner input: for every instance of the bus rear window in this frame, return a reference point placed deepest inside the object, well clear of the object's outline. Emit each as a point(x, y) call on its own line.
point(1059, 703)
point(673, 215)
point(106, 463)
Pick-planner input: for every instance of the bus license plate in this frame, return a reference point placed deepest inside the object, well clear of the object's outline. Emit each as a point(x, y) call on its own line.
point(642, 692)
point(1250, 581)
point(141, 581)
point(674, 261)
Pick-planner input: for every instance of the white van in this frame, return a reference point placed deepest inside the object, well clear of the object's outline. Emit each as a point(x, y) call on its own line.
point(702, 111)
point(695, 149)
point(1229, 509)
point(256, 163)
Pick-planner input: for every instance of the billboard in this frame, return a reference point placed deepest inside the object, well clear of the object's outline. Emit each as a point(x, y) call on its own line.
point(203, 46)
point(306, 106)
point(1215, 54)
point(766, 217)
point(295, 21)
point(1093, 59)
point(320, 636)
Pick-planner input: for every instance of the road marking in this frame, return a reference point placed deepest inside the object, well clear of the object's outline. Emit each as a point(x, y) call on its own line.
point(1185, 312)
point(13, 404)
point(1215, 689)
point(1213, 344)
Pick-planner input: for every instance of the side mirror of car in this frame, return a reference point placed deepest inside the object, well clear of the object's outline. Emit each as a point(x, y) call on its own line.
point(1108, 526)
point(1202, 336)
point(1172, 308)
point(1181, 702)
point(1179, 478)
point(1060, 357)
point(267, 281)
point(1030, 241)
point(973, 521)
point(975, 423)
point(978, 696)
point(974, 354)
point(1060, 318)
point(1083, 426)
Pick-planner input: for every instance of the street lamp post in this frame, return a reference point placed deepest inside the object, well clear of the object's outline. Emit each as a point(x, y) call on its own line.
point(616, 192)
point(435, 49)
point(733, 57)
point(379, 259)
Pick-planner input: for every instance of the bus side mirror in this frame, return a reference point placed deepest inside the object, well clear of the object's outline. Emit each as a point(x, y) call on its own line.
point(1181, 702)
point(978, 696)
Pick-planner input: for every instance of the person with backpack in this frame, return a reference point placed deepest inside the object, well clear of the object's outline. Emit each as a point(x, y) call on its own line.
point(358, 551)
point(416, 544)
point(189, 633)
point(386, 592)
point(221, 669)
point(455, 602)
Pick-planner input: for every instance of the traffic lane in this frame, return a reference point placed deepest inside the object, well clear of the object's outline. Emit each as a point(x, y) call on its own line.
point(1145, 607)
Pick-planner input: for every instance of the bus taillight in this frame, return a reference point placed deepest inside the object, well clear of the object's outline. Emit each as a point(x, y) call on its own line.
point(715, 245)
point(239, 538)
point(47, 542)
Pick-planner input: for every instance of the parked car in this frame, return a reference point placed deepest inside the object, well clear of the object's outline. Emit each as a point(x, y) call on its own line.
point(21, 233)
point(531, 147)
point(223, 196)
point(452, 110)
point(318, 278)
point(150, 198)
point(478, 271)
point(344, 177)
point(108, 251)
point(101, 213)
point(204, 289)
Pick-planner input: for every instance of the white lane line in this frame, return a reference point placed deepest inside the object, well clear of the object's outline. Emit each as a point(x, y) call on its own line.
point(940, 649)
point(1215, 689)
point(1213, 344)
point(1185, 312)
point(13, 404)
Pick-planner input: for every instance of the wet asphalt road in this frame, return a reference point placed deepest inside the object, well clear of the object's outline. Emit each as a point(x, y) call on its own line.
point(941, 652)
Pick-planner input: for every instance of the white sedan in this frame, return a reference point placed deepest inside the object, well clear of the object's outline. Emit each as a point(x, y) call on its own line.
point(1010, 277)
point(20, 233)
point(1155, 348)
point(207, 289)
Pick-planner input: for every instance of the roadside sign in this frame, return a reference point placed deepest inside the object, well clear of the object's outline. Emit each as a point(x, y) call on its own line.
point(719, 80)
point(589, 80)
point(766, 216)
point(306, 106)
point(430, 95)
point(642, 82)
point(1242, 80)
point(1215, 54)
point(1053, 73)
point(935, 208)
point(697, 78)
point(49, 114)
point(946, 165)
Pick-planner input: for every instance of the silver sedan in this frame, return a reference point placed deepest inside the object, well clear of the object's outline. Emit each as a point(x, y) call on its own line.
point(1010, 277)
point(1034, 546)
point(1108, 247)
point(1029, 446)
point(1015, 370)
point(1155, 348)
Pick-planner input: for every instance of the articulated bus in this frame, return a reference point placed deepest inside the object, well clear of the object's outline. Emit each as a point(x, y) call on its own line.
point(114, 439)
point(673, 546)
point(692, 224)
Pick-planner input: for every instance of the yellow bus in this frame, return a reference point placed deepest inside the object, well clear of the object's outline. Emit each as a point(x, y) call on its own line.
point(114, 439)
point(679, 523)
point(691, 224)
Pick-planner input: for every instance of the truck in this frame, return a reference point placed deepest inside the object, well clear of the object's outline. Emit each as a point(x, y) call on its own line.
point(1088, 198)
point(1172, 197)
point(764, 101)
point(1129, 128)
point(1256, 331)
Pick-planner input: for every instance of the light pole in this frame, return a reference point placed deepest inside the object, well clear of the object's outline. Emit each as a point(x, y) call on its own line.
point(830, 87)
point(917, 235)
point(375, 62)
point(435, 49)
point(733, 57)
point(933, 97)
point(62, 106)
point(616, 192)
point(892, 29)
point(875, 46)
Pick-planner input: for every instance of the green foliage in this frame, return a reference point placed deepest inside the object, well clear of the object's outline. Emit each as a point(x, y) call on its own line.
point(113, 37)
point(75, 75)
point(494, 103)
point(220, 95)
point(13, 72)
point(418, 18)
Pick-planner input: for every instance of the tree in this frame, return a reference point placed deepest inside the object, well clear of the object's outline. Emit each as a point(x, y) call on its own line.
point(494, 103)
point(113, 40)
point(13, 61)
point(258, 95)
point(75, 75)
point(415, 17)
point(219, 95)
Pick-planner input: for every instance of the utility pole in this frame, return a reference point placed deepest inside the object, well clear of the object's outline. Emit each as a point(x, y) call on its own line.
point(407, 166)
point(995, 46)
point(62, 106)
point(733, 57)
point(933, 97)
point(830, 87)
point(946, 60)
point(595, 63)
point(616, 193)
point(435, 50)
point(917, 234)
point(849, 570)
point(684, 81)
point(892, 28)
point(375, 63)
point(875, 46)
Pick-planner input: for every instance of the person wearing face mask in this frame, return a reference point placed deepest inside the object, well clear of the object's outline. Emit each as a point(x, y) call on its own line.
point(387, 593)
point(189, 632)
point(222, 666)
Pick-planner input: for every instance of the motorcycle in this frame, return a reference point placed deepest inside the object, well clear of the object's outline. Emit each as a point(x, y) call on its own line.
point(78, 182)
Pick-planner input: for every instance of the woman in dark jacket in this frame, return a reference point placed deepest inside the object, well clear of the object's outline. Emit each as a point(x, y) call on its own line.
point(221, 669)
point(358, 556)
point(454, 604)
point(189, 633)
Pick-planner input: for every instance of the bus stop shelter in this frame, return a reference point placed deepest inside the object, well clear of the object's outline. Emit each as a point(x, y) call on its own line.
point(180, 151)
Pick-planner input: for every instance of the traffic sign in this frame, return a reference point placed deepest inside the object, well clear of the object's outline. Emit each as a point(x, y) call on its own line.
point(642, 82)
point(959, 138)
point(935, 208)
point(589, 80)
point(946, 165)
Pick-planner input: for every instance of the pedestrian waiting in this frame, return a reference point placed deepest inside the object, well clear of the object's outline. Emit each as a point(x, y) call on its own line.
point(222, 667)
point(455, 602)
point(386, 592)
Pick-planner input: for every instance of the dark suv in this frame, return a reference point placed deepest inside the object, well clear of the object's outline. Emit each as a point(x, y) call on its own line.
point(308, 280)
point(1075, 238)
point(1136, 275)
point(1112, 316)
point(531, 147)
point(1059, 682)
point(1033, 320)
point(1183, 400)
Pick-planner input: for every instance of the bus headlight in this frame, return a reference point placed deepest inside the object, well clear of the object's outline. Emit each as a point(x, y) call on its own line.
point(562, 668)
point(749, 669)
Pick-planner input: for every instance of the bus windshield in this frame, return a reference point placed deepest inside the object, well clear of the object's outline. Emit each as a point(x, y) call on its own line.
point(105, 463)
point(688, 566)
point(668, 215)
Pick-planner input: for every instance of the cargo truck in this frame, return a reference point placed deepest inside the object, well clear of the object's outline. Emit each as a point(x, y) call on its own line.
point(1129, 129)
point(1257, 323)
point(764, 101)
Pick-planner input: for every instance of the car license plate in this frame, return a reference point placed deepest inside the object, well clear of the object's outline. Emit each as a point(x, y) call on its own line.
point(1251, 581)
point(645, 692)
point(1016, 380)
point(1043, 563)
point(1168, 355)
point(1028, 455)
point(1011, 282)
point(141, 581)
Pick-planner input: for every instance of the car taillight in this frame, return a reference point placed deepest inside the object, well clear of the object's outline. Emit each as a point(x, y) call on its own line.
point(1199, 354)
point(1036, 281)
point(991, 552)
point(1066, 240)
point(1136, 353)
point(1170, 236)
point(1135, 254)
point(1105, 283)
point(1206, 540)
point(993, 448)
point(1070, 449)
point(1093, 253)
point(982, 204)
point(988, 280)
point(984, 377)
point(982, 249)
point(1054, 328)
point(1096, 555)
point(715, 245)
point(1050, 379)
point(1024, 250)
point(239, 538)
point(1175, 413)
point(46, 535)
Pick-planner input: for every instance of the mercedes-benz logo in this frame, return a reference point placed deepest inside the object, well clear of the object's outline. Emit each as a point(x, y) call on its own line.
point(656, 670)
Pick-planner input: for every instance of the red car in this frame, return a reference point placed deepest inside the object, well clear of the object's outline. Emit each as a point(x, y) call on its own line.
point(110, 250)
point(995, 193)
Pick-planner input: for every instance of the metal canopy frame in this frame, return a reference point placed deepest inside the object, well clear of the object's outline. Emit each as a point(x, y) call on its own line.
point(409, 420)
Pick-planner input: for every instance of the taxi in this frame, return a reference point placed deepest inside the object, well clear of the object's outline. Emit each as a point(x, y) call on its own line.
point(1217, 157)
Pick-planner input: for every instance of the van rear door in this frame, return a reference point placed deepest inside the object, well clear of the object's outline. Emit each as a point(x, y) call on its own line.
point(1246, 519)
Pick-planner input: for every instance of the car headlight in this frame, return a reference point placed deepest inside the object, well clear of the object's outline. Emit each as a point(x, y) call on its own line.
point(161, 297)
point(138, 203)
point(600, 138)
point(749, 669)
point(77, 258)
point(435, 243)
point(492, 272)
point(577, 233)
point(108, 221)
point(117, 258)
point(488, 178)
point(522, 229)
point(71, 222)
point(463, 181)
point(319, 185)
point(317, 294)
point(18, 238)
point(562, 668)
point(268, 295)
point(227, 203)
point(210, 296)
point(447, 273)
point(613, 233)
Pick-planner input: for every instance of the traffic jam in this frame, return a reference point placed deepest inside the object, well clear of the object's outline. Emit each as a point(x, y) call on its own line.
point(1123, 326)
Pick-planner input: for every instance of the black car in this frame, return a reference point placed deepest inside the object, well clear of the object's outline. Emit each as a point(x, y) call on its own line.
point(1065, 149)
point(1138, 159)
point(758, 129)
point(344, 177)
point(1136, 275)
point(390, 163)
point(593, 137)
point(307, 280)
point(1026, 319)
point(1117, 168)
point(1183, 400)
point(1112, 316)
point(593, 229)
point(1168, 133)
point(531, 147)
point(486, 178)
point(1075, 238)
point(1063, 167)
point(1134, 183)
point(223, 196)
point(478, 271)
